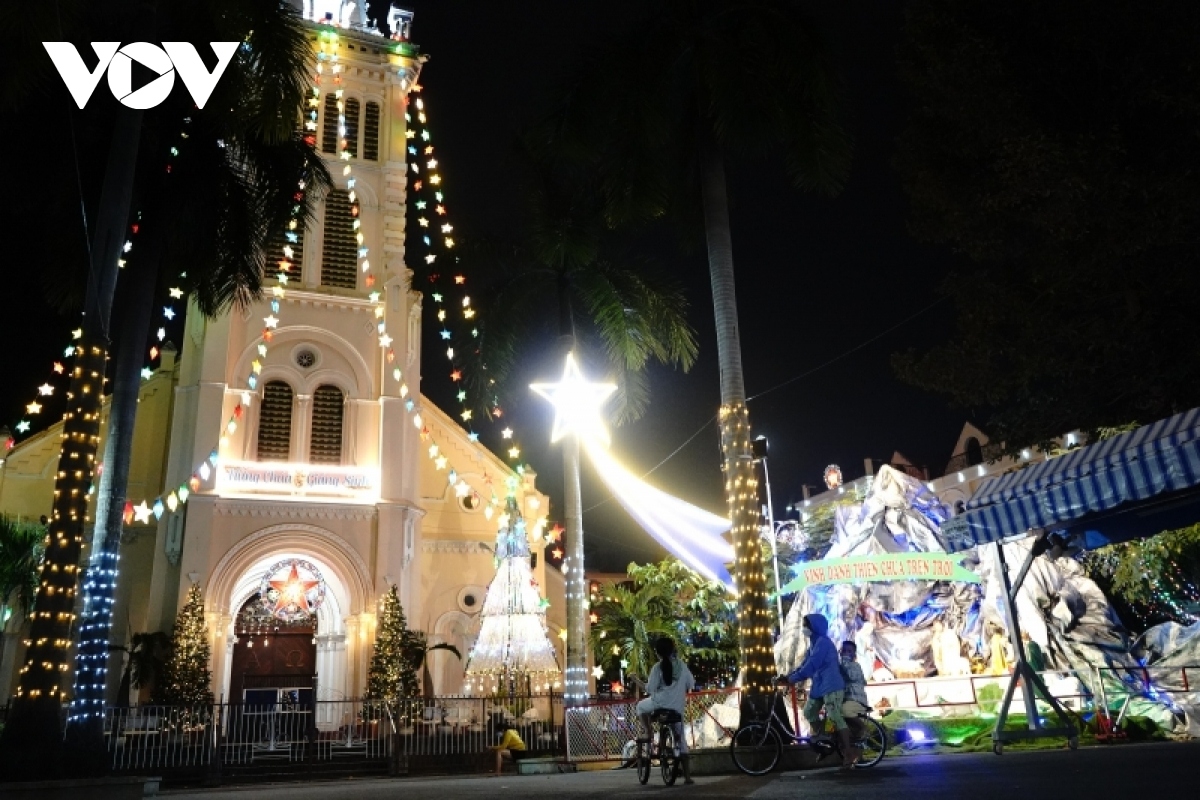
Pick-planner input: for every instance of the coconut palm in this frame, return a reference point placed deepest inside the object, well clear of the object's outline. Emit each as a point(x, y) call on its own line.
point(658, 112)
point(21, 548)
point(145, 659)
point(619, 308)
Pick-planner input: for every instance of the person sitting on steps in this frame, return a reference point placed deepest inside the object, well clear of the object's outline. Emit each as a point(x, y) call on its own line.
point(670, 681)
point(511, 741)
point(822, 665)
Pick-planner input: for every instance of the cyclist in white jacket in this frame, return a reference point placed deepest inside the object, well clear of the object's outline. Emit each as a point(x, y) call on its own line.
point(670, 681)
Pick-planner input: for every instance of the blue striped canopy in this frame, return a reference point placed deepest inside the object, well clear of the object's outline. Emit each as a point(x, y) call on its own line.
point(1135, 466)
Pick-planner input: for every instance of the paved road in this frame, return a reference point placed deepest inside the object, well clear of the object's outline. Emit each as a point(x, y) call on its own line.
point(1154, 770)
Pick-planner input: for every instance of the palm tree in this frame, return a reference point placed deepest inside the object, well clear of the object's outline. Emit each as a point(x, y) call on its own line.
point(620, 308)
point(417, 651)
point(145, 659)
point(628, 622)
point(212, 187)
point(21, 548)
point(658, 112)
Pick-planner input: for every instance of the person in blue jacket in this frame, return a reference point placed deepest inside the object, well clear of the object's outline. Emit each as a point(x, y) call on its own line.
point(822, 665)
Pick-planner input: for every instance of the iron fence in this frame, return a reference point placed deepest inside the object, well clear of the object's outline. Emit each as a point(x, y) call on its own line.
point(210, 737)
point(608, 729)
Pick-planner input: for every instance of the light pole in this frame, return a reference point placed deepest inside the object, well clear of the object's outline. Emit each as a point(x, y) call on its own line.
point(577, 417)
point(759, 449)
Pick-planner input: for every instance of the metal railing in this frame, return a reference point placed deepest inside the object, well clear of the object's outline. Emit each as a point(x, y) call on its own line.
point(209, 737)
point(608, 729)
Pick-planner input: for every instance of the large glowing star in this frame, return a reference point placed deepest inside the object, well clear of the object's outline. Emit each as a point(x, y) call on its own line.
point(577, 404)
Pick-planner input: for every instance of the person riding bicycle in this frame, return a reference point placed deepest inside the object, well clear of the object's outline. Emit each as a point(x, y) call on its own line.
point(821, 664)
point(670, 681)
point(854, 697)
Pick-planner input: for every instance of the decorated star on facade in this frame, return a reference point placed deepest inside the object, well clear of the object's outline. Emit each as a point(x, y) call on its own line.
point(445, 333)
point(597, 672)
point(45, 390)
point(507, 433)
point(23, 426)
point(271, 321)
point(514, 452)
point(177, 293)
point(168, 312)
point(147, 373)
point(293, 592)
point(34, 408)
point(441, 462)
point(576, 403)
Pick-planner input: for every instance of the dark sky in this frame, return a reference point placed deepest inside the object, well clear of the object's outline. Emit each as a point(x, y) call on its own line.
point(817, 277)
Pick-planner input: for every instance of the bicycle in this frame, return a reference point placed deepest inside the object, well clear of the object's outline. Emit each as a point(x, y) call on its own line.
point(665, 721)
point(757, 746)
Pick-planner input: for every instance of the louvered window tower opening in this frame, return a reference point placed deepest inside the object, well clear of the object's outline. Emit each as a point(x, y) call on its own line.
point(327, 411)
point(329, 126)
point(371, 132)
point(275, 252)
point(352, 126)
point(275, 423)
point(339, 261)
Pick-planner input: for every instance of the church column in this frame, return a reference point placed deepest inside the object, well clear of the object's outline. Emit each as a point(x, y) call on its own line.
point(301, 427)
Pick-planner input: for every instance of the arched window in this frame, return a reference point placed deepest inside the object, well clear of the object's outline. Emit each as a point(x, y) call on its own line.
point(352, 109)
point(371, 132)
point(328, 409)
point(275, 422)
point(974, 452)
point(339, 259)
point(329, 126)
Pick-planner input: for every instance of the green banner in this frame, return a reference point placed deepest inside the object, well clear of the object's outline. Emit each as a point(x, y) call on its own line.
point(882, 567)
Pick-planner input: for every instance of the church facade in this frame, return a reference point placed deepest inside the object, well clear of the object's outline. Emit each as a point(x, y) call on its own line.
point(333, 472)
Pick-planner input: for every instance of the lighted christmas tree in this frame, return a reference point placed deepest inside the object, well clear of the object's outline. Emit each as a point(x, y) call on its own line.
point(392, 673)
point(513, 651)
point(187, 679)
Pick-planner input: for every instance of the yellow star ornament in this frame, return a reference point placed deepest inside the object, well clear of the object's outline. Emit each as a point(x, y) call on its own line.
point(577, 404)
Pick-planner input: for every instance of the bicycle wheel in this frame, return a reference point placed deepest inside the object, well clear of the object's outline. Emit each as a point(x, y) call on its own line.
point(668, 762)
point(643, 762)
point(756, 748)
point(873, 743)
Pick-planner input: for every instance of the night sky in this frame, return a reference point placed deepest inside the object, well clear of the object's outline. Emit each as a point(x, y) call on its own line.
point(817, 277)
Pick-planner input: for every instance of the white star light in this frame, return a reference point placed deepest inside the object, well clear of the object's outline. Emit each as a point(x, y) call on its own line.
point(46, 389)
point(597, 672)
point(177, 293)
point(141, 512)
point(576, 403)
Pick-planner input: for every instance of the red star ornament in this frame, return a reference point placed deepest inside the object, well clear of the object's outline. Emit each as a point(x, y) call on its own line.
point(293, 592)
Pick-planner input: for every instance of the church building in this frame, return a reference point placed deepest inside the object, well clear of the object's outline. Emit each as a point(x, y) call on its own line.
point(334, 475)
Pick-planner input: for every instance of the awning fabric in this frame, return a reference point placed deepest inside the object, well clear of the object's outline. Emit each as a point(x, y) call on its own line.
point(1153, 460)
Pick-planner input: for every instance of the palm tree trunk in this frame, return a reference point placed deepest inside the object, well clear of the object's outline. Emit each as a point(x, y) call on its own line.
point(32, 738)
point(757, 665)
point(85, 723)
point(575, 677)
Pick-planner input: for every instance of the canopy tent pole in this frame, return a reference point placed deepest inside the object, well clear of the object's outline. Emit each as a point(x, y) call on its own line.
point(1031, 682)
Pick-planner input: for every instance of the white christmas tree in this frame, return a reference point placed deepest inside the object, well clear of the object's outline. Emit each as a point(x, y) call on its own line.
point(512, 646)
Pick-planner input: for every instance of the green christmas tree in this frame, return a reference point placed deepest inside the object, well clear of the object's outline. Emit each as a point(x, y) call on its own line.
point(392, 673)
point(187, 679)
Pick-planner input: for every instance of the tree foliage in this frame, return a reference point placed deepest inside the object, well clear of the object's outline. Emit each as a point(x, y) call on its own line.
point(187, 679)
point(665, 599)
point(562, 276)
point(1054, 144)
point(1158, 577)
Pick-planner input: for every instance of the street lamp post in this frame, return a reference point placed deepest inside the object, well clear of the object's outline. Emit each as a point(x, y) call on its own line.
point(759, 449)
point(577, 417)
